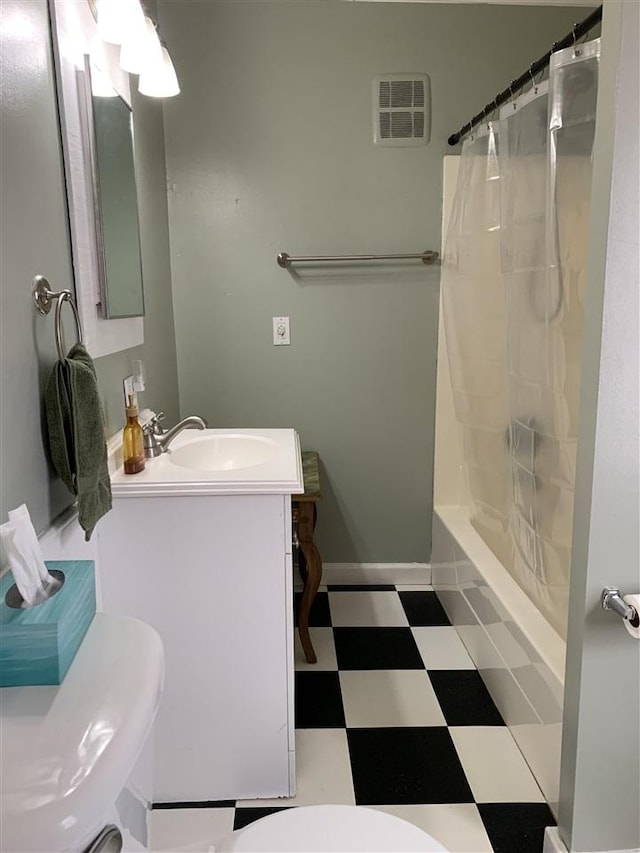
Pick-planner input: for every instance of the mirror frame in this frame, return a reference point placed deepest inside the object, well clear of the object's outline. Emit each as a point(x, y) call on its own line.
point(72, 30)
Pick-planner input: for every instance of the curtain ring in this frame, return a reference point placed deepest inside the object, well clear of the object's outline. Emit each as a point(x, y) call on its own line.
point(536, 86)
point(576, 51)
point(513, 97)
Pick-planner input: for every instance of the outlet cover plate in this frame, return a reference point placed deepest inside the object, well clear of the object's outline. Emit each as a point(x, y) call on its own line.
point(281, 332)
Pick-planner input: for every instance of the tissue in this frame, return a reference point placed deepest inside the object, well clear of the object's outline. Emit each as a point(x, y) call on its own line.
point(20, 542)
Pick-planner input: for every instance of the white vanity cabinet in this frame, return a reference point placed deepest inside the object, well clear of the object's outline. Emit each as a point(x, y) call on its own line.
point(212, 573)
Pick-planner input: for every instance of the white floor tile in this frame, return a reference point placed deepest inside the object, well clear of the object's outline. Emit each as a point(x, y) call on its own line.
point(457, 827)
point(189, 829)
point(441, 648)
point(366, 610)
point(389, 697)
point(494, 766)
point(324, 647)
point(414, 587)
point(323, 771)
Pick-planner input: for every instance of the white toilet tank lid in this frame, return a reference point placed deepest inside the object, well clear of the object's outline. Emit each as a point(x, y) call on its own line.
point(321, 829)
point(68, 750)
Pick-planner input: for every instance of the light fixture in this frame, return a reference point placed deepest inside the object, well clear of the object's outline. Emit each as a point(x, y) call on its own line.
point(141, 49)
point(159, 80)
point(118, 18)
point(123, 22)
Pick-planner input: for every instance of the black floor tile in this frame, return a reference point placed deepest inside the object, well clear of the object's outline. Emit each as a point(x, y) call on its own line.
point(243, 817)
point(318, 701)
point(406, 765)
point(319, 615)
point(516, 827)
point(423, 608)
point(376, 648)
point(382, 587)
point(463, 698)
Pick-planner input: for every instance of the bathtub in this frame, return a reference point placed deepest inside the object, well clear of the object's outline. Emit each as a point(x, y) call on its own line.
point(518, 654)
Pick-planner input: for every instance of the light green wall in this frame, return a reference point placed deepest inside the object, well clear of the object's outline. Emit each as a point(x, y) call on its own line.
point(269, 148)
point(35, 240)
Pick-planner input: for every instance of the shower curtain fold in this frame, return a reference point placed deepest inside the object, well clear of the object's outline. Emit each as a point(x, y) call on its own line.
point(513, 293)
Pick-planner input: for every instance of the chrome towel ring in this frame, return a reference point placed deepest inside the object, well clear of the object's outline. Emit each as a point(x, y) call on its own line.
point(43, 297)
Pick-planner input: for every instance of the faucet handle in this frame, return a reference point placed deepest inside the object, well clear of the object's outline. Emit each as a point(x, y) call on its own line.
point(151, 444)
point(155, 423)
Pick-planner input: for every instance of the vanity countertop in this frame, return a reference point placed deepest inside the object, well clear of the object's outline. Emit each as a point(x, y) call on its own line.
point(219, 462)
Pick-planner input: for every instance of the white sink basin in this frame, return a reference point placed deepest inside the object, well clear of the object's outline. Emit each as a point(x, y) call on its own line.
point(224, 452)
point(219, 462)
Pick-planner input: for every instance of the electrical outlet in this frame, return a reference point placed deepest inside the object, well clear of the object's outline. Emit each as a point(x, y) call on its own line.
point(281, 332)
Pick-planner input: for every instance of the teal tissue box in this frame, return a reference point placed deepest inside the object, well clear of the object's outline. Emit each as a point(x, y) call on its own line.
point(37, 644)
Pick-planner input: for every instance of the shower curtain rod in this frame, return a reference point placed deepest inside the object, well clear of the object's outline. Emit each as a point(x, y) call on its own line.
point(571, 38)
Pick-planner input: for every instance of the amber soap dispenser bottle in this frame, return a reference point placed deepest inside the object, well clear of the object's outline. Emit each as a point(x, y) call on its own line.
point(132, 440)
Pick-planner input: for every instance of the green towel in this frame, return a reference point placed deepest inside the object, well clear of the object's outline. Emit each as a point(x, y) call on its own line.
point(76, 435)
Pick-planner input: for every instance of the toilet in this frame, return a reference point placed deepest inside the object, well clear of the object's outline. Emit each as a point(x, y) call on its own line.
point(322, 829)
point(77, 765)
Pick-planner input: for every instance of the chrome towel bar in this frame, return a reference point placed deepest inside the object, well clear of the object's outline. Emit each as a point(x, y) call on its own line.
point(43, 297)
point(285, 260)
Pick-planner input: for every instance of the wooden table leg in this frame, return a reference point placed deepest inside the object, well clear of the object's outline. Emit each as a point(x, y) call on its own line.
point(313, 560)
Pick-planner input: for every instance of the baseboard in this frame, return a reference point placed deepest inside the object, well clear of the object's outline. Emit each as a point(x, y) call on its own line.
point(552, 841)
point(554, 844)
point(376, 573)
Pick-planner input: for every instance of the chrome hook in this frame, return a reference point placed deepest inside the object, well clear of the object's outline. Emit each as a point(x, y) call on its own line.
point(575, 41)
point(513, 97)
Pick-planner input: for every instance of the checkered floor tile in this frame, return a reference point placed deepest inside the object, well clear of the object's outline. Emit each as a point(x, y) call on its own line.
point(393, 716)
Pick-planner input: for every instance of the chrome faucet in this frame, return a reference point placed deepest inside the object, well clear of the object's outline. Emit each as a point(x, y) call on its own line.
point(156, 443)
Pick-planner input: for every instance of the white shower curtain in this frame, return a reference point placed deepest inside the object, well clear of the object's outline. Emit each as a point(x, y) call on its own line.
point(513, 292)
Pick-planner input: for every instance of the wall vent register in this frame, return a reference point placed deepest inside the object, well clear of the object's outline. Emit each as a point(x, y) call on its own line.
point(401, 109)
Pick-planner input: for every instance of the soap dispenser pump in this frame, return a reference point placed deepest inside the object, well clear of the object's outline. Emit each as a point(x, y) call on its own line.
point(132, 440)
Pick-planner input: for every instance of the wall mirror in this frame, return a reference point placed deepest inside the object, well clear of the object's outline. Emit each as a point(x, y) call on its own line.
point(115, 203)
point(111, 318)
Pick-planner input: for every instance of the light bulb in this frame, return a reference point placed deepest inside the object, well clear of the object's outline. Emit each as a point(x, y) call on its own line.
point(140, 48)
point(118, 18)
point(159, 80)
